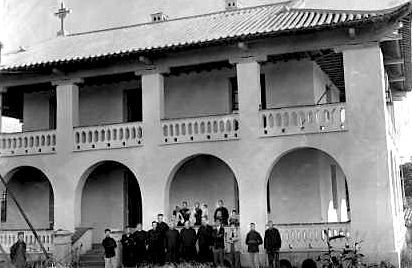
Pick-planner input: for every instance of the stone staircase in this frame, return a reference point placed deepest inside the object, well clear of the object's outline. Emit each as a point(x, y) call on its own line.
point(93, 258)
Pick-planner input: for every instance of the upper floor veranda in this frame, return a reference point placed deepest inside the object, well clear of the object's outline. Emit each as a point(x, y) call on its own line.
point(302, 84)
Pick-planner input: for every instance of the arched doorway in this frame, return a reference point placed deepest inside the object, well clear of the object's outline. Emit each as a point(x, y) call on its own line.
point(204, 179)
point(307, 185)
point(34, 193)
point(110, 198)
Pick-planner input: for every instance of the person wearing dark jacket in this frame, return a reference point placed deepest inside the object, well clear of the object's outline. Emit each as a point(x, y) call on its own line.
point(188, 243)
point(205, 241)
point(18, 252)
point(162, 227)
point(172, 239)
point(218, 244)
point(272, 244)
point(253, 241)
point(221, 213)
point(140, 241)
point(109, 245)
point(128, 249)
point(155, 244)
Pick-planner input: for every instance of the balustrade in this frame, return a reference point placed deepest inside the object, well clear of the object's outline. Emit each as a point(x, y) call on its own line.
point(35, 142)
point(303, 119)
point(108, 136)
point(8, 238)
point(198, 129)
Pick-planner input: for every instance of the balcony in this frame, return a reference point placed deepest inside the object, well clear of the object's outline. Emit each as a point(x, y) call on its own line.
point(303, 120)
point(201, 129)
point(121, 135)
point(28, 143)
point(8, 238)
point(304, 237)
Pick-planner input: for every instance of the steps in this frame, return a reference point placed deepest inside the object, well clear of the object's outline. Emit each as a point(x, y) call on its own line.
point(78, 233)
point(93, 258)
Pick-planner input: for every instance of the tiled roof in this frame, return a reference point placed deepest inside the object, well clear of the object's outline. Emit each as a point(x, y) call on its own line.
point(188, 32)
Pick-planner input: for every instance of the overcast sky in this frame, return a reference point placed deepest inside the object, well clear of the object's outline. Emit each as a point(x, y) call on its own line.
point(23, 23)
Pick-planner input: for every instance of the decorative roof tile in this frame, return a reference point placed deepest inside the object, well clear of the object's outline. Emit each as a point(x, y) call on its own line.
point(250, 22)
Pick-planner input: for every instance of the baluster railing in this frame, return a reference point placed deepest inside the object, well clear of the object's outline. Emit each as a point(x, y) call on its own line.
point(27, 143)
point(303, 119)
point(198, 129)
point(8, 238)
point(108, 136)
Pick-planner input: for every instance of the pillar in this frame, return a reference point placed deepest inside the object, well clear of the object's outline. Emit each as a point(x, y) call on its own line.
point(366, 157)
point(153, 111)
point(251, 177)
point(2, 91)
point(62, 247)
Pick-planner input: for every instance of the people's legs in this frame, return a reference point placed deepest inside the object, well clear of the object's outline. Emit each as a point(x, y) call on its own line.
point(107, 263)
point(215, 257)
point(271, 256)
point(256, 260)
point(221, 257)
point(237, 259)
point(252, 259)
point(113, 261)
point(277, 262)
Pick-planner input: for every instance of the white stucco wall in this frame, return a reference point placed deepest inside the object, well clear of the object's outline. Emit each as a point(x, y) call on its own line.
point(203, 179)
point(103, 202)
point(197, 94)
point(36, 111)
point(301, 190)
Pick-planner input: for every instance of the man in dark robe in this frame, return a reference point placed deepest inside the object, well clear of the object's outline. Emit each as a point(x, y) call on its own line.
point(18, 252)
point(272, 244)
point(109, 245)
point(221, 213)
point(184, 211)
point(140, 241)
point(218, 244)
point(172, 239)
point(188, 243)
point(162, 227)
point(205, 241)
point(128, 249)
point(155, 244)
point(197, 214)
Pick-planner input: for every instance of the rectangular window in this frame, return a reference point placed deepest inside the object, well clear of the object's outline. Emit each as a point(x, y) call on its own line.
point(4, 207)
point(52, 109)
point(132, 103)
point(263, 92)
point(234, 94)
point(334, 186)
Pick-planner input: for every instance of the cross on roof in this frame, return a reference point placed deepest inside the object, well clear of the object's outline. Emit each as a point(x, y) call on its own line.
point(61, 14)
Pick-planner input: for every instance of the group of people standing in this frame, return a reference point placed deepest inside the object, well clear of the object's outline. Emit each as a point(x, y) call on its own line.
point(165, 244)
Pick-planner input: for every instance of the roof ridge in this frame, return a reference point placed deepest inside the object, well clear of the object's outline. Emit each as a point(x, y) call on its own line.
point(284, 3)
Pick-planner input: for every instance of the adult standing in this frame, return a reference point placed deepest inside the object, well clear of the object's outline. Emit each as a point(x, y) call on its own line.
point(253, 241)
point(218, 244)
point(221, 213)
point(188, 243)
point(128, 249)
point(18, 251)
point(140, 241)
point(155, 244)
point(172, 239)
point(197, 214)
point(272, 244)
point(162, 227)
point(234, 246)
point(109, 245)
point(205, 241)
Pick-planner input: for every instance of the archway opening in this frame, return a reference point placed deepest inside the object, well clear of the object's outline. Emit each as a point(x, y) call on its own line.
point(307, 185)
point(204, 179)
point(111, 198)
point(34, 193)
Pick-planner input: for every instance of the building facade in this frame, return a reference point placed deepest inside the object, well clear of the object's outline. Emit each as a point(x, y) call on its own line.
point(286, 114)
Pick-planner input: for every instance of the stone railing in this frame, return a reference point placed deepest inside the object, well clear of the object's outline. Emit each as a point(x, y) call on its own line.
point(27, 143)
point(303, 119)
point(8, 238)
point(312, 236)
point(108, 136)
point(198, 129)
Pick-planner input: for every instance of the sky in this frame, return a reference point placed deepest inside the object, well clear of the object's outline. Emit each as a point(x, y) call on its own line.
point(28, 22)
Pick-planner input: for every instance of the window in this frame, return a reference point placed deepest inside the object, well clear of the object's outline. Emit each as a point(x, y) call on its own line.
point(334, 186)
point(4, 207)
point(234, 92)
point(133, 105)
point(262, 91)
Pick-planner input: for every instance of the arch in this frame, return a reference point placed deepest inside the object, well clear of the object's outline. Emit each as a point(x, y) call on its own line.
point(191, 177)
point(310, 185)
point(108, 195)
point(35, 194)
point(309, 263)
point(284, 263)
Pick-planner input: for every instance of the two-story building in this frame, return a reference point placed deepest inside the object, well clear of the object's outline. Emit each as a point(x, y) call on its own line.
point(285, 113)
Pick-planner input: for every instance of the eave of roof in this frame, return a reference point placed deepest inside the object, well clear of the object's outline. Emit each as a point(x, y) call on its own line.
point(183, 33)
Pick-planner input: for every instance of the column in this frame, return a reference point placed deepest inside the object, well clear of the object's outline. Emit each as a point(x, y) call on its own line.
point(2, 91)
point(153, 184)
point(62, 247)
point(366, 161)
point(67, 94)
